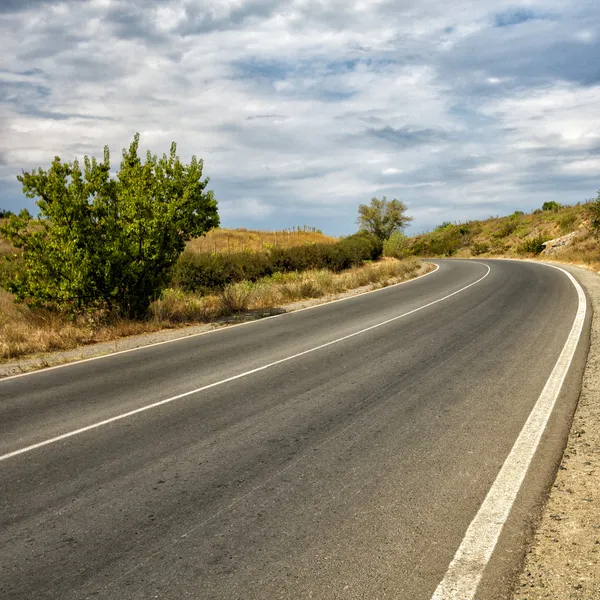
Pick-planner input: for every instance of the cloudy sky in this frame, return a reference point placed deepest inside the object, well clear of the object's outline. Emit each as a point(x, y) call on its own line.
point(303, 109)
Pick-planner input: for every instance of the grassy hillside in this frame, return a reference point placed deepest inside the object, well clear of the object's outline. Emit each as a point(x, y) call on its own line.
point(231, 241)
point(518, 234)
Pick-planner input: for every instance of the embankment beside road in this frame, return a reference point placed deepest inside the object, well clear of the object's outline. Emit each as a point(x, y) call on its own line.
point(563, 562)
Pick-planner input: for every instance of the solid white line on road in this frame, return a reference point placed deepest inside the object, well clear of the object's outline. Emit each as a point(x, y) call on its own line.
point(466, 569)
point(194, 335)
point(142, 409)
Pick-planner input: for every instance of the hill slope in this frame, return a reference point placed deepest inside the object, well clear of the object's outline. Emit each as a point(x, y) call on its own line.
point(518, 234)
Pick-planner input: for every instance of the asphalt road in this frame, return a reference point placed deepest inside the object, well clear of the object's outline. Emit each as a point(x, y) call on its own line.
point(349, 471)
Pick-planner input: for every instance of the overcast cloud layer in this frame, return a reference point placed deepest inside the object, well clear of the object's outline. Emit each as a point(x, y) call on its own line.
point(303, 109)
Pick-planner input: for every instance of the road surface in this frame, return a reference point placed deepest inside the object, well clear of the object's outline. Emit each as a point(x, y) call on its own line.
point(336, 452)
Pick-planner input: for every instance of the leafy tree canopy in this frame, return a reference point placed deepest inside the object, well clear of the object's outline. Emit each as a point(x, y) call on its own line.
point(108, 242)
point(551, 206)
point(383, 217)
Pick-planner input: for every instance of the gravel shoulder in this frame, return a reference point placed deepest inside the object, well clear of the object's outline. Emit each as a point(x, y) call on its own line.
point(562, 562)
point(51, 359)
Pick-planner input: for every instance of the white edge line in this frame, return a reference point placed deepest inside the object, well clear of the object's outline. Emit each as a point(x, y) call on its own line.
point(142, 409)
point(466, 569)
point(216, 329)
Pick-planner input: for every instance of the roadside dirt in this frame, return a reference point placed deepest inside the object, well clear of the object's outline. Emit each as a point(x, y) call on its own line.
point(51, 359)
point(563, 562)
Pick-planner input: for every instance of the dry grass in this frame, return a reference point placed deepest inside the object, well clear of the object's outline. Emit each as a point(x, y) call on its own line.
point(230, 241)
point(26, 331)
point(280, 289)
point(585, 252)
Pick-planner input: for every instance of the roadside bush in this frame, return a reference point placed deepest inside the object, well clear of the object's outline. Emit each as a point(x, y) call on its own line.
point(479, 248)
point(533, 245)
point(204, 273)
point(396, 245)
point(441, 242)
point(447, 242)
point(236, 297)
point(507, 228)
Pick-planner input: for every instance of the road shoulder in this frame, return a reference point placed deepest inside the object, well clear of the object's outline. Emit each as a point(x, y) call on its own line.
point(563, 560)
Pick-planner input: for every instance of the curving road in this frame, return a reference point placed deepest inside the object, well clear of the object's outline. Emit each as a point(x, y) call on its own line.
point(336, 452)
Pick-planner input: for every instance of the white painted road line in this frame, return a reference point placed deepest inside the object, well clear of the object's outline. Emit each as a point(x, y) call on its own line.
point(466, 569)
point(142, 409)
point(194, 335)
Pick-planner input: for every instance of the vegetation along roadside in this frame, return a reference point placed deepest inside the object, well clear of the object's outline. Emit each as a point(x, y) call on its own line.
point(109, 257)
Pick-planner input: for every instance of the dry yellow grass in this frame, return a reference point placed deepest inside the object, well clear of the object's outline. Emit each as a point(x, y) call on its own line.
point(585, 252)
point(25, 331)
point(229, 241)
point(278, 290)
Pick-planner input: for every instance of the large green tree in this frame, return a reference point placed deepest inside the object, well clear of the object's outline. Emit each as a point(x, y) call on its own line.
point(383, 217)
point(105, 241)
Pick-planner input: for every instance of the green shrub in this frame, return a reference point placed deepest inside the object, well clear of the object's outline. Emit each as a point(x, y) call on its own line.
point(443, 226)
point(551, 206)
point(478, 248)
point(105, 241)
point(533, 245)
point(203, 272)
point(236, 297)
point(396, 245)
point(567, 222)
point(506, 229)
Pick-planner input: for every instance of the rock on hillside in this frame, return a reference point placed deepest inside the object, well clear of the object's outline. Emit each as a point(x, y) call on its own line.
point(555, 245)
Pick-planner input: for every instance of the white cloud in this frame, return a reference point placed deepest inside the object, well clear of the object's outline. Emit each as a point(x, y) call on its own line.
point(303, 109)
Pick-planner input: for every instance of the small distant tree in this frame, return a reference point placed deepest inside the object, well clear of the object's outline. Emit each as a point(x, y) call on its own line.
point(383, 217)
point(108, 242)
point(4, 213)
point(551, 206)
point(443, 226)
